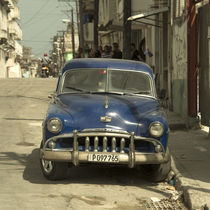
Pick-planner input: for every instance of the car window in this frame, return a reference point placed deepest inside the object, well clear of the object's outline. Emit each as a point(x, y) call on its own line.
point(106, 80)
point(129, 82)
point(84, 80)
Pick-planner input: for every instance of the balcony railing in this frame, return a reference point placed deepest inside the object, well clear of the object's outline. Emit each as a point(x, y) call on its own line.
point(15, 29)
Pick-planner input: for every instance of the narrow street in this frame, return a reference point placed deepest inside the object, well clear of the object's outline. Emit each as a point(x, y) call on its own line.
point(22, 185)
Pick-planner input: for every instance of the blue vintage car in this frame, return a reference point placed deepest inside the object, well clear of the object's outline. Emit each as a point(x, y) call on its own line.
point(105, 111)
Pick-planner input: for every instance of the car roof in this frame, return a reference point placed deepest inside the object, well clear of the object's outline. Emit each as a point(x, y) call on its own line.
point(107, 63)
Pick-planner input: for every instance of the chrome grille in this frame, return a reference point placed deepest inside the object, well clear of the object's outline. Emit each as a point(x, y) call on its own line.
point(105, 143)
point(96, 144)
point(113, 144)
point(87, 144)
point(102, 144)
point(122, 145)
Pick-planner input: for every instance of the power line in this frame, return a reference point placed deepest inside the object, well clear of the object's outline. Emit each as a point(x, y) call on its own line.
point(44, 30)
point(36, 13)
point(34, 41)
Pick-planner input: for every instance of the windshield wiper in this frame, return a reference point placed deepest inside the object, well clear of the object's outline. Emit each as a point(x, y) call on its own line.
point(143, 92)
point(77, 89)
point(115, 93)
point(138, 93)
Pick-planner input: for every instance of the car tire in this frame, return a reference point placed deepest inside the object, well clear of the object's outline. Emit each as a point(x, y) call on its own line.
point(157, 172)
point(53, 170)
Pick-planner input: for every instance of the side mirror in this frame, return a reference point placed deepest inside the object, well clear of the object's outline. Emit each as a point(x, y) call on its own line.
point(52, 95)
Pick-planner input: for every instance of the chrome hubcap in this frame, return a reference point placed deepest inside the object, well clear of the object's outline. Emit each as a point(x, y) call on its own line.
point(47, 166)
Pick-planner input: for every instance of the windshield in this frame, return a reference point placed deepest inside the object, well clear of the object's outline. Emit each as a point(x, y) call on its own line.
point(107, 81)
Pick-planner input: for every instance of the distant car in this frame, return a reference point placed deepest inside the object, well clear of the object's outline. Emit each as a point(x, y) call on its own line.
point(105, 111)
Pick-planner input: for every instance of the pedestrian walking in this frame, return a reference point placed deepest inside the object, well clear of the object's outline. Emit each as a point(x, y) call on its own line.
point(100, 48)
point(135, 53)
point(97, 54)
point(79, 53)
point(91, 53)
point(94, 54)
point(116, 53)
point(106, 52)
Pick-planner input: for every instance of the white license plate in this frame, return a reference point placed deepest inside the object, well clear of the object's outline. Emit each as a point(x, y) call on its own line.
point(107, 158)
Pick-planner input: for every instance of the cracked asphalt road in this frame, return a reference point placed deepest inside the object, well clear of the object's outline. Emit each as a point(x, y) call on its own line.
point(22, 186)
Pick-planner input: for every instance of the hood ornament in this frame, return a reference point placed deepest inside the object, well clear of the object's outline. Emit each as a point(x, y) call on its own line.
point(106, 119)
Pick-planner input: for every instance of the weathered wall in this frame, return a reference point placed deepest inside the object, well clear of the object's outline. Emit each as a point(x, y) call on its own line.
point(143, 6)
point(2, 64)
point(179, 65)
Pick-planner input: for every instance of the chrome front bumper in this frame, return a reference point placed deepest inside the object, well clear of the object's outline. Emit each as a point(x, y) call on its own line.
point(131, 158)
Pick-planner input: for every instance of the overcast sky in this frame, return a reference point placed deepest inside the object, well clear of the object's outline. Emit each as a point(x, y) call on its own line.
point(40, 21)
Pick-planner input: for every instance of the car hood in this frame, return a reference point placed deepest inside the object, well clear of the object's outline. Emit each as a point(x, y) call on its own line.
point(128, 113)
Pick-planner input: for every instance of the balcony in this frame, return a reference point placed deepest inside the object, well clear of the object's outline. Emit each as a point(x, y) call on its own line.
point(18, 49)
point(14, 13)
point(15, 29)
point(8, 4)
point(109, 15)
point(3, 23)
point(3, 35)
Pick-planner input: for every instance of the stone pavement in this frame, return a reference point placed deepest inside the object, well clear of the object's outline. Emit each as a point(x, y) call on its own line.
point(190, 149)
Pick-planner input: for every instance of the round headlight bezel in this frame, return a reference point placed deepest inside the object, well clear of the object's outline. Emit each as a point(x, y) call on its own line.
point(156, 123)
point(60, 125)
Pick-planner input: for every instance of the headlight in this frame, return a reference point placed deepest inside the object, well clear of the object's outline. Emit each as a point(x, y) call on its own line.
point(156, 129)
point(54, 125)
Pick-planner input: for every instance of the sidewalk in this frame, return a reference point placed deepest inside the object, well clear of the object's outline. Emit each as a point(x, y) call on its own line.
point(190, 151)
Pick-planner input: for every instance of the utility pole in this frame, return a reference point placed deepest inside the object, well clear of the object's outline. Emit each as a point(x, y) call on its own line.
point(192, 37)
point(204, 64)
point(77, 12)
point(72, 22)
point(126, 29)
point(81, 41)
point(72, 32)
point(208, 16)
point(96, 8)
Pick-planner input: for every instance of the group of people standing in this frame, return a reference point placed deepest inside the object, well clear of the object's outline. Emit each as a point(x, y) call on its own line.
point(107, 52)
point(111, 52)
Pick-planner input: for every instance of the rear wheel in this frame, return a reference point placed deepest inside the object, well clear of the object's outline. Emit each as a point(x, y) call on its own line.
point(53, 170)
point(157, 172)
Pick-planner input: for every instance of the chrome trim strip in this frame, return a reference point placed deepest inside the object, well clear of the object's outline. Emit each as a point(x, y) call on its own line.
point(131, 153)
point(106, 105)
point(75, 150)
point(104, 134)
point(103, 130)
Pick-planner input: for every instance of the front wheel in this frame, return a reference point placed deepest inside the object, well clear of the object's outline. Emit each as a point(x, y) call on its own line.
point(53, 170)
point(157, 172)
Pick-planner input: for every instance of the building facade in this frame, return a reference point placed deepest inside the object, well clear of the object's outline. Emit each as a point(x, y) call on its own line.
point(177, 37)
point(10, 34)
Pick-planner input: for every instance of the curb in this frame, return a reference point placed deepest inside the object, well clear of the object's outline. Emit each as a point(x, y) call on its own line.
point(191, 199)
